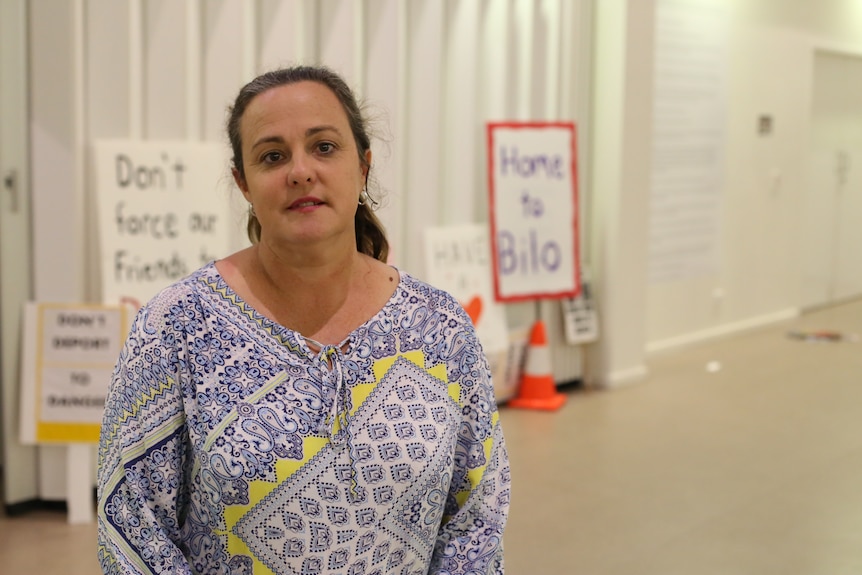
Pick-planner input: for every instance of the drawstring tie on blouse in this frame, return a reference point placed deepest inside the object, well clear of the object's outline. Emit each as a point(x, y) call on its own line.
point(336, 423)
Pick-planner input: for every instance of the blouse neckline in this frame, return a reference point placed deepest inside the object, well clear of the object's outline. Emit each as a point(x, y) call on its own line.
point(281, 332)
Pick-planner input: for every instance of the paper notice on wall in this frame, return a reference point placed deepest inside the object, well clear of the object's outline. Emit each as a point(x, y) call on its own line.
point(458, 260)
point(580, 318)
point(161, 213)
point(688, 139)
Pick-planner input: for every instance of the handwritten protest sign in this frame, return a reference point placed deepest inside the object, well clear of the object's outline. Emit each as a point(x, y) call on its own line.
point(534, 215)
point(458, 260)
point(69, 354)
point(161, 214)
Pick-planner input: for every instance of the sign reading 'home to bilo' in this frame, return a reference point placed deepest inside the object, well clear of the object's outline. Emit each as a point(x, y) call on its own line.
point(534, 215)
point(161, 214)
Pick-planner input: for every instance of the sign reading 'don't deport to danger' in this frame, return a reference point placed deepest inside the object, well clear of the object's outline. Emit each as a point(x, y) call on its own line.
point(69, 356)
point(534, 210)
point(161, 214)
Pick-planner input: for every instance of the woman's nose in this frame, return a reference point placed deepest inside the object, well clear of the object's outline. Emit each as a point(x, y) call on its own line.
point(301, 171)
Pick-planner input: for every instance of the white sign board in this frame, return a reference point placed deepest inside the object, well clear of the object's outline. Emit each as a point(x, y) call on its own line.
point(534, 216)
point(69, 356)
point(580, 318)
point(162, 214)
point(458, 260)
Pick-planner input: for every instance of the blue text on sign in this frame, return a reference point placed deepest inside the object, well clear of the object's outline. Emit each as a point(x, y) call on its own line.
point(512, 162)
point(526, 255)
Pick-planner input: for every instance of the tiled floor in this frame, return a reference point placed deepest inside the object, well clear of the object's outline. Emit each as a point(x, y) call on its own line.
point(755, 469)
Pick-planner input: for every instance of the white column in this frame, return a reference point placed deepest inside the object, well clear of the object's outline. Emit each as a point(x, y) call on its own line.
point(621, 168)
point(79, 456)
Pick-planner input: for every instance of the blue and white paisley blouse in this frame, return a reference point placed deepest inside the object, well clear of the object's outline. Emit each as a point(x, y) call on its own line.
point(229, 446)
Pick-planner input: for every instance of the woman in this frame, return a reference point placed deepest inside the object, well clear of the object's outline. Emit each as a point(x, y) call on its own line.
point(299, 406)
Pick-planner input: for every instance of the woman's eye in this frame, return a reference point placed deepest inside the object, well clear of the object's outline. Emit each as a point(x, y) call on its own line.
point(271, 157)
point(326, 147)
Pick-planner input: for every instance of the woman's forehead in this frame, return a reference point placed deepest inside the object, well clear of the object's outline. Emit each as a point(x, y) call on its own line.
point(300, 104)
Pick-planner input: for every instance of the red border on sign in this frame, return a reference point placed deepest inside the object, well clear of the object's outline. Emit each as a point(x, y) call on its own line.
point(492, 203)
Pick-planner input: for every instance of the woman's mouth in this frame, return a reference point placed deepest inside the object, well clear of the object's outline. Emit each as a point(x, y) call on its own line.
point(305, 203)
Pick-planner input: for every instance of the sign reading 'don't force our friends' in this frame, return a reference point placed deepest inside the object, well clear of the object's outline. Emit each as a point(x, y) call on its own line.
point(161, 211)
point(534, 215)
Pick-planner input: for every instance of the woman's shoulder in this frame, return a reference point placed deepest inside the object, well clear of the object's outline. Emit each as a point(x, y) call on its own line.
point(422, 287)
point(183, 293)
point(418, 291)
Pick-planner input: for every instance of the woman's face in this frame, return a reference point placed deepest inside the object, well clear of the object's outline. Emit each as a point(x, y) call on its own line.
point(302, 170)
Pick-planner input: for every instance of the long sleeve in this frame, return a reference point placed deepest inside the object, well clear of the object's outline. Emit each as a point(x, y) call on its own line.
point(143, 458)
point(470, 540)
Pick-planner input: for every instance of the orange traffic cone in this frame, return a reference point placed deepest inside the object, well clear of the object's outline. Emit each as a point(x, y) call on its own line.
point(537, 389)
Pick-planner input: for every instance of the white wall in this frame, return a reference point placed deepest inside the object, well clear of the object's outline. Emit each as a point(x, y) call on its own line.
point(770, 60)
point(433, 72)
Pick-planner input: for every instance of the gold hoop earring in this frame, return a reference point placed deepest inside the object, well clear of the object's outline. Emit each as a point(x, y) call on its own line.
point(251, 211)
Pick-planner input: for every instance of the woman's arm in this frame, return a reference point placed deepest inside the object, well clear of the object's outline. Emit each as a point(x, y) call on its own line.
point(143, 457)
point(470, 539)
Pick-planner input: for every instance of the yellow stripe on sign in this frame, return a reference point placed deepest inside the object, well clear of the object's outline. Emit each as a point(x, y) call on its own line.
point(68, 432)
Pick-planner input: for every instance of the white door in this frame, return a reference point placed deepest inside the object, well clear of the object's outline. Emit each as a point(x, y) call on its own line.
point(19, 462)
point(832, 212)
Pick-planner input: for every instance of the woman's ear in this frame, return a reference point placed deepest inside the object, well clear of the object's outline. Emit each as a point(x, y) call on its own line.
point(240, 182)
point(367, 166)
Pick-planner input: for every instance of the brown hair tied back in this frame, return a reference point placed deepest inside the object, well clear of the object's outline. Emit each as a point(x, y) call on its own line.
point(370, 236)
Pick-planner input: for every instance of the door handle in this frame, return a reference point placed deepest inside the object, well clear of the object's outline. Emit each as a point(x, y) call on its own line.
point(10, 182)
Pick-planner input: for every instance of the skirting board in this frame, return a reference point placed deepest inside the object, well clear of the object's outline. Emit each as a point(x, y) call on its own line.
point(721, 330)
point(30, 505)
point(619, 378)
point(624, 377)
